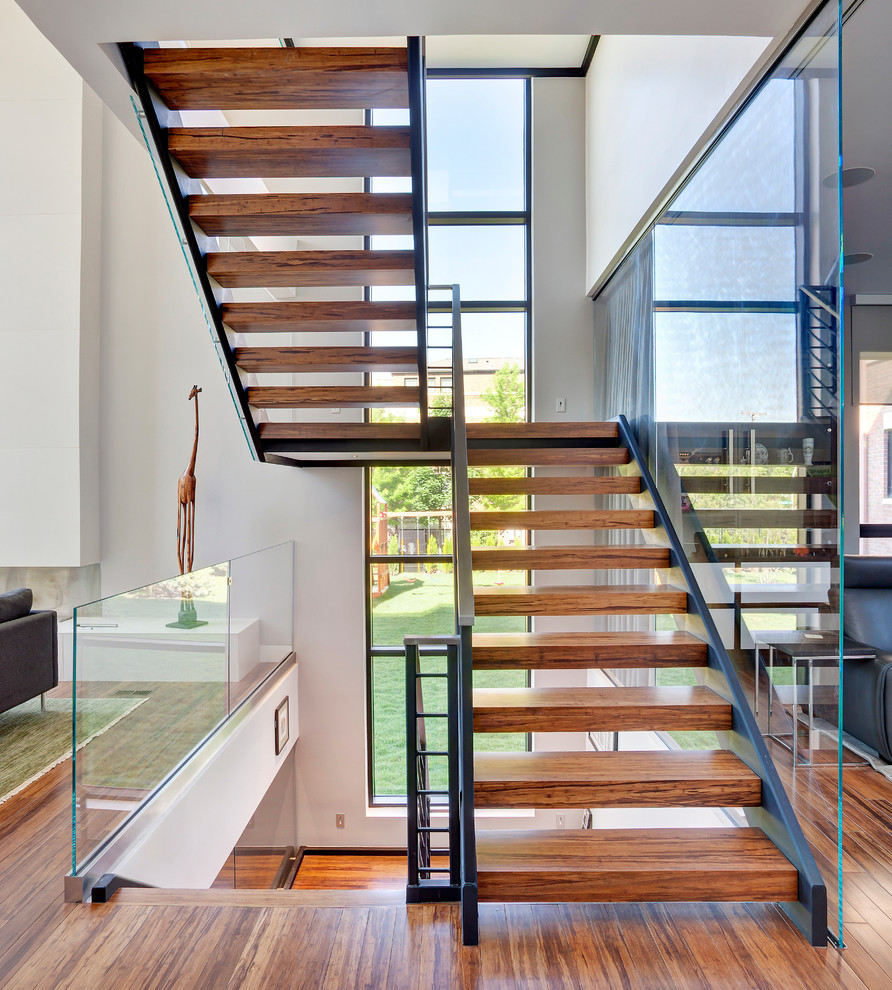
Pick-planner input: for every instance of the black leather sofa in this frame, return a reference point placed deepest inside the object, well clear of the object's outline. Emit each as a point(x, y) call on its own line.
point(29, 651)
point(867, 618)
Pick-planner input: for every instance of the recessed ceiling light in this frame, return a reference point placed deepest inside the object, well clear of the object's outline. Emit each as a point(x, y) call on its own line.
point(856, 259)
point(850, 177)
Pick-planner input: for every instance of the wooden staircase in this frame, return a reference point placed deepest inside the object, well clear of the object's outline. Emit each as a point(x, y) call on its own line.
point(639, 864)
point(270, 300)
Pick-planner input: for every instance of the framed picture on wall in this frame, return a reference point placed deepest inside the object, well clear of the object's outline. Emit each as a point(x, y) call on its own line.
point(282, 726)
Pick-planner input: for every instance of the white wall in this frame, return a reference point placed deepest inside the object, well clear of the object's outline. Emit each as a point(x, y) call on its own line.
point(178, 849)
point(563, 357)
point(49, 177)
point(649, 101)
point(155, 346)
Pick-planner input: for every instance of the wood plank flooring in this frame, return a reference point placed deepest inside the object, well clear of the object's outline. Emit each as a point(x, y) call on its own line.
point(207, 942)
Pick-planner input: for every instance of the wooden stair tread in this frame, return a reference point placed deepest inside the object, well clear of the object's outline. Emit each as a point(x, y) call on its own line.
point(627, 865)
point(710, 778)
point(286, 152)
point(772, 553)
point(279, 78)
point(768, 518)
point(383, 432)
point(302, 214)
point(323, 396)
point(604, 485)
point(569, 557)
point(301, 317)
point(614, 599)
point(235, 269)
point(496, 651)
point(325, 359)
point(497, 519)
point(531, 431)
point(546, 456)
point(744, 484)
point(608, 709)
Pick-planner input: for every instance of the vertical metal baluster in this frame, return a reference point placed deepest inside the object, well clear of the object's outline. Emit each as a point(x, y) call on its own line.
point(412, 763)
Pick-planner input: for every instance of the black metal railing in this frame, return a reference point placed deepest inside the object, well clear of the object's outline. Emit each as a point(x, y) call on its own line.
point(427, 882)
point(775, 815)
point(819, 350)
point(418, 155)
point(424, 794)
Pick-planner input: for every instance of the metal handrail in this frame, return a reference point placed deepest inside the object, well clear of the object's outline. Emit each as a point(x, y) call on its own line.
point(775, 816)
point(418, 156)
point(461, 524)
point(464, 618)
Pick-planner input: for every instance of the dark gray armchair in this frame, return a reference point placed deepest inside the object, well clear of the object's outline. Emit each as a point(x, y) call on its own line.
point(29, 652)
point(867, 684)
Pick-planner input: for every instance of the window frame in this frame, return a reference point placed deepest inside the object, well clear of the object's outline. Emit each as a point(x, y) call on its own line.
point(451, 218)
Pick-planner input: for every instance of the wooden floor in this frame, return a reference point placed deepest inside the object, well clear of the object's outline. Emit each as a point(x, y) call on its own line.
point(315, 938)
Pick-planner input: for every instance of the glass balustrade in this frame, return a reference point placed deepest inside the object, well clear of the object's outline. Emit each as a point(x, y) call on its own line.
point(720, 339)
point(172, 660)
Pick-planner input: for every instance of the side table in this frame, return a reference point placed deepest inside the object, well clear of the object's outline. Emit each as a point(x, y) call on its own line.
point(807, 651)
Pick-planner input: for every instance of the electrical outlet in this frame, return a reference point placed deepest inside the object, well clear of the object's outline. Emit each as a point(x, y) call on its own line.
point(560, 405)
point(339, 821)
point(559, 821)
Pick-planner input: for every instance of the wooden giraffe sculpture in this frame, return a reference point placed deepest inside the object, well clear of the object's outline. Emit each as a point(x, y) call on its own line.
point(186, 502)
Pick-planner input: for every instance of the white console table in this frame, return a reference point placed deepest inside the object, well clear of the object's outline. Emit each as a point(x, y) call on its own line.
point(146, 649)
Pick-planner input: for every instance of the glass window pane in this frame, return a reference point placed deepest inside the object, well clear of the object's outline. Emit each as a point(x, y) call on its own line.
point(752, 169)
point(487, 262)
point(735, 367)
point(494, 345)
point(724, 263)
point(415, 602)
point(475, 144)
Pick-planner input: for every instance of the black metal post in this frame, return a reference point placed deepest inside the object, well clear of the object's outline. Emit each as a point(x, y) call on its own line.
point(454, 709)
point(411, 765)
point(418, 155)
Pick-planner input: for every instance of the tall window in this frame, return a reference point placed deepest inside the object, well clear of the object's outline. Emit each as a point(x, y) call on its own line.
point(479, 209)
point(725, 276)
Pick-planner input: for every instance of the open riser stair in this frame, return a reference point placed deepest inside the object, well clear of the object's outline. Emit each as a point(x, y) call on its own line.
point(612, 560)
point(255, 187)
point(603, 864)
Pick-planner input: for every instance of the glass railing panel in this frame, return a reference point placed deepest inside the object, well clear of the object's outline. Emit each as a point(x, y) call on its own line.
point(161, 651)
point(720, 339)
point(261, 616)
point(155, 671)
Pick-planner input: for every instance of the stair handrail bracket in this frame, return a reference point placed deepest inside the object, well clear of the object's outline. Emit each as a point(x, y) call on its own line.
point(775, 816)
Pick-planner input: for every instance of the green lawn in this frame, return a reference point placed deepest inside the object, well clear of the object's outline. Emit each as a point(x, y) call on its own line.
point(421, 604)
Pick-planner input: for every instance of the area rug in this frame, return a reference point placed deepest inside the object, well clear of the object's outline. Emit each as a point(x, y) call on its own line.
point(33, 742)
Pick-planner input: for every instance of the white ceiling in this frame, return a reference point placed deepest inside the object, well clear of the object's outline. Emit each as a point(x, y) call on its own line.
point(86, 31)
point(505, 51)
point(867, 141)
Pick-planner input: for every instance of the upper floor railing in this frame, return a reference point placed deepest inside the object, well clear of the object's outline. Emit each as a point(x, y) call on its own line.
point(157, 671)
